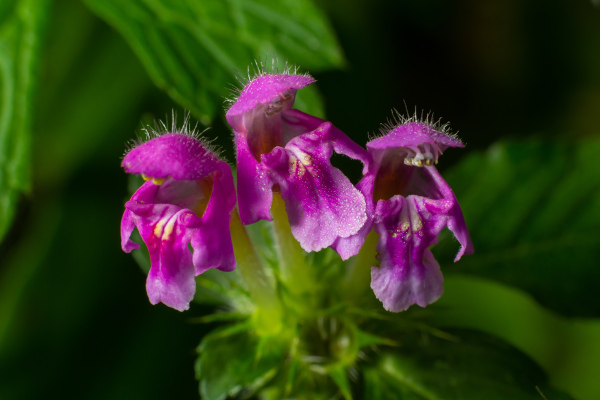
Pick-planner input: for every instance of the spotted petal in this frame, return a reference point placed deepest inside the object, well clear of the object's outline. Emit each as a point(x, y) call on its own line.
point(171, 276)
point(322, 204)
point(407, 227)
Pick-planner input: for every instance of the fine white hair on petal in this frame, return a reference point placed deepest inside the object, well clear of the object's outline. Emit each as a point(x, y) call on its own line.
point(398, 119)
point(255, 70)
point(169, 125)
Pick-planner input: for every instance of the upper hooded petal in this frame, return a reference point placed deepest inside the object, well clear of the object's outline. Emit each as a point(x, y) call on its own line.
point(264, 89)
point(174, 154)
point(414, 134)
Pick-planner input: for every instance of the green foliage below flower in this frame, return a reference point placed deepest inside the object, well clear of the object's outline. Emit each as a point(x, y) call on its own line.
point(336, 341)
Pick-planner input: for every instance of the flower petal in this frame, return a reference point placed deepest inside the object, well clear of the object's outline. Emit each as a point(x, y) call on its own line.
point(295, 123)
point(397, 291)
point(164, 217)
point(451, 209)
point(322, 204)
point(253, 184)
point(351, 245)
point(264, 89)
point(127, 225)
point(171, 277)
point(174, 154)
point(414, 134)
point(408, 273)
point(211, 240)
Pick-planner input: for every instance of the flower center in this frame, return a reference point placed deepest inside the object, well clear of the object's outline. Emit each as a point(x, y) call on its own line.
point(276, 105)
point(191, 195)
point(423, 154)
point(397, 174)
point(263, 124)
point(206, 185)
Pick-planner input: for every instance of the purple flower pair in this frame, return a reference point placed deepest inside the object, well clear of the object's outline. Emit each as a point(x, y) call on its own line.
point(189, 198)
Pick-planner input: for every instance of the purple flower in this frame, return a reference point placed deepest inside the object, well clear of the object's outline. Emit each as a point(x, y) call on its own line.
point(186, 201)
point(410, 203)
point(283, 149)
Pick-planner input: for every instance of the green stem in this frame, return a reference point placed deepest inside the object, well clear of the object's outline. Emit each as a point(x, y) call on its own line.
point(261, 287)
point(358, 277)
point(295, 273)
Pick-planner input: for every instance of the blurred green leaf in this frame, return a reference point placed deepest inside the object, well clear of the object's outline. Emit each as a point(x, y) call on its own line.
point(566, 348)
point(193, 50)
point(233, 360)
point(475, 367)
point(102, 90)
point(533, 211)
point(309, 100)
point(340, 376)
point(22, 25)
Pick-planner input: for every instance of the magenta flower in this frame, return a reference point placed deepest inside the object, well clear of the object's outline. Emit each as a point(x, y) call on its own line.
point(410, 203)
point(283, 149)
point(187, 201)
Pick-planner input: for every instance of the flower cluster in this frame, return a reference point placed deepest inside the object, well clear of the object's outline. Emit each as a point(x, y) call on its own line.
point(184, 209)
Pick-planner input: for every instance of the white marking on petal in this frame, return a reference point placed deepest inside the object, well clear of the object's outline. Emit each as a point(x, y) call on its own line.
point(159, 228)
point(169, 229)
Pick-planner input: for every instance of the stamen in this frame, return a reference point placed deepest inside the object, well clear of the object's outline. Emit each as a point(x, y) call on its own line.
point(156, 181)
point(425, 154)
point(274, 107)
point(286, 95)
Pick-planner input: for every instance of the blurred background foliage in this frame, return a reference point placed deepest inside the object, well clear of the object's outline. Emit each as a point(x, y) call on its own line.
point(520, 81)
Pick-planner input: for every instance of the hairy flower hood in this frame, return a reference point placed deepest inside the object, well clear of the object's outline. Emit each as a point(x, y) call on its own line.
point(186, 201)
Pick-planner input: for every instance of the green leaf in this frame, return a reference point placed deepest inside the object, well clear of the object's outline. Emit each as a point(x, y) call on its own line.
point(22, 24)
point(475, 367)
point(233, 360)
point(92, 113)
point(564, 347)
point(194, 50)
point(533, 211)
point(340, 377)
